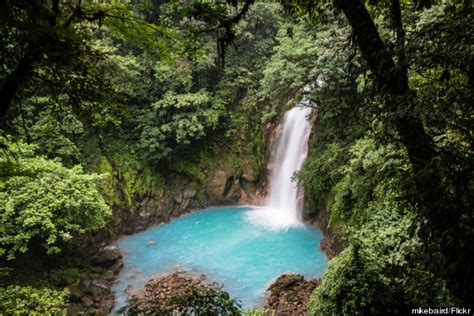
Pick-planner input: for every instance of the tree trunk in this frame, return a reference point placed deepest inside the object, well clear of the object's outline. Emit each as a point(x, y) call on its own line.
point(392, 83)
point(14, 80)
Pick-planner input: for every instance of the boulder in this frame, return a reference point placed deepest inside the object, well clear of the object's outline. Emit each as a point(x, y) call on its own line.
point(75, 292)
point(285, 282)
point(289, 294)
point(106, 305)
point(107, 256)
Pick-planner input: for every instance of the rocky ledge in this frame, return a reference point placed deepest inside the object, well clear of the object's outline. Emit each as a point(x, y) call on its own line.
point(289, 294)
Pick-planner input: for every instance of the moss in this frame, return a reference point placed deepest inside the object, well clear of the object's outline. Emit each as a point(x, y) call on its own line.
point(127, 179)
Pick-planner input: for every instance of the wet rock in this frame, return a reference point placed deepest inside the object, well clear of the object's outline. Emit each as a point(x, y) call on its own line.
point(184, 205)
point(109, 275)
point(332, 242)
point(107, 304)
point(232, 189)
point(107, 256)
point(144, 215)
point(116, 267)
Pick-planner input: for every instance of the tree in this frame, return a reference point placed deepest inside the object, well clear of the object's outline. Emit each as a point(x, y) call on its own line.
point(392, 81)
point(50, 41)
point(44, 204)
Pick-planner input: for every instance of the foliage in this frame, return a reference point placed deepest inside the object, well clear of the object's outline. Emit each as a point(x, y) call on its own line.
point(374, 173)
point(178, 119)
point(386, 268)
point(195, 300)
point(43, 203)
point(286, 71)
point(27, 300)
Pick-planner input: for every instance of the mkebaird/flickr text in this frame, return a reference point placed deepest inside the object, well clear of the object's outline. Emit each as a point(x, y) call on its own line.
point(441, 311)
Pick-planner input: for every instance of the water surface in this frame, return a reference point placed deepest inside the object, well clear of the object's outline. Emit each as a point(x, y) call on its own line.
point(229, 245)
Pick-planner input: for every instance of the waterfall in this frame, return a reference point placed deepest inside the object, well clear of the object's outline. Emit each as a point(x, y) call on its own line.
point(285, 198)
point(291, 151)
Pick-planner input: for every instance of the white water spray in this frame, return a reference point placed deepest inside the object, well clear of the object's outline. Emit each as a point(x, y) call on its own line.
point(285, 199)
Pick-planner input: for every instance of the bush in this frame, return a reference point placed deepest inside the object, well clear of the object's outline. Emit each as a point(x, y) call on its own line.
point(27, 300)
point(196, 300)
point(45, 203)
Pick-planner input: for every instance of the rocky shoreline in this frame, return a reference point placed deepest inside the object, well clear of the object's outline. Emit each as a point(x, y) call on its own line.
point(288, 295)
point(95, 295)
point(228, 183)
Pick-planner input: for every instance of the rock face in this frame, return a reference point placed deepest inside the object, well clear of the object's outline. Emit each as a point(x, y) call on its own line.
point(107, 256)
point(289, 294)
point(94, 296)
point(223, 184)
point(249, 173)
point(228, 183)
point(332, 243)
point(160, 207)
point(217, 184)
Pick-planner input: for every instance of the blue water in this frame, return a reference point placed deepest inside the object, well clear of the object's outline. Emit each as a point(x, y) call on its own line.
point(227, 246)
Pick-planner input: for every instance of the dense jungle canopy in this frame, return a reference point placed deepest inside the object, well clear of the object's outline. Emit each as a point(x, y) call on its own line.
point(103, 103)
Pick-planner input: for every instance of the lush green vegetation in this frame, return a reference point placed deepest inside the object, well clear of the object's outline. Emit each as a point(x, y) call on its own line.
point(44, 203)
point(102, 104)
point(210, 300)
point(26, 300)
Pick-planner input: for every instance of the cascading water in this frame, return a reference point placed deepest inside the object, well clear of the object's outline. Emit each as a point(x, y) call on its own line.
point(282, 204)
point(290, 155)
